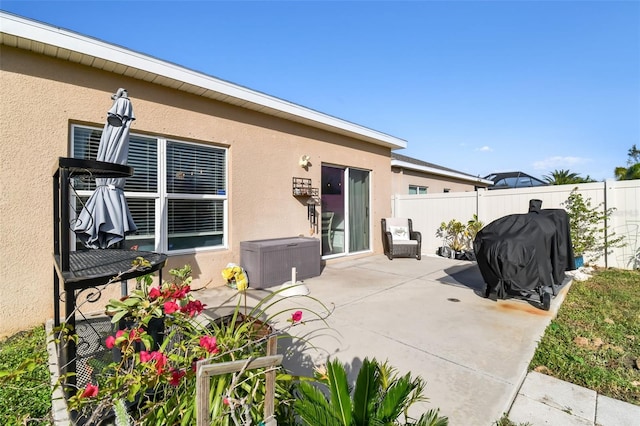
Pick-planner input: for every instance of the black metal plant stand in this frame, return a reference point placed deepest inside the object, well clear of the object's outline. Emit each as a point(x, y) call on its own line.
point(82, 272)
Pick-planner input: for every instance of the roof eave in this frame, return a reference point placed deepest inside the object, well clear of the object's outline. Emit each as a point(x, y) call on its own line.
point(439, 172)
point(45, 39)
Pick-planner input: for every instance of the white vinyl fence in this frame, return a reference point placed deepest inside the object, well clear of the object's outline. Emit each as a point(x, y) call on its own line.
point(430, 210)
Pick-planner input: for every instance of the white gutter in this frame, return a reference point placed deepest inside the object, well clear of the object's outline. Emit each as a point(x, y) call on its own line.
point(439, 172)
point(74, 42)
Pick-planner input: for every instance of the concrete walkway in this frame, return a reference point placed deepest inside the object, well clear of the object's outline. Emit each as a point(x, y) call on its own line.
point(545, 400)
point(426, 317)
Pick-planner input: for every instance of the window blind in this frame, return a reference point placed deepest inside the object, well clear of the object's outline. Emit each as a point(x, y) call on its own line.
point(195, 169)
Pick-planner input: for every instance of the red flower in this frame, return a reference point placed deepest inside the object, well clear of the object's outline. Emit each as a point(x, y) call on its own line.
point(159, 358)
point(209, 343)
point(145, 356)
point(225, 400)
point(180, 292)
point(296, 316)
point(110, 342)
point(171, 307)
point(193, 308)
point(154, 293)
point(134, 334)
point(90, 391)
point(176, 375)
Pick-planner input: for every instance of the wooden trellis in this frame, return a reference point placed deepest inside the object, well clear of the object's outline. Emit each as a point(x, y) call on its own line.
point(206, 370)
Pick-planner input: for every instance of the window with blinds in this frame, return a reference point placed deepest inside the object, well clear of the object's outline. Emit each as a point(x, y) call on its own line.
point(188, 179)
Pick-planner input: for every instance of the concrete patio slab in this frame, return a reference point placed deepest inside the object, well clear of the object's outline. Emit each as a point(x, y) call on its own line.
point(426, 317)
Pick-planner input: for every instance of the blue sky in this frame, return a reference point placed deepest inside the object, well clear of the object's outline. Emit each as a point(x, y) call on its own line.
point(478, 86)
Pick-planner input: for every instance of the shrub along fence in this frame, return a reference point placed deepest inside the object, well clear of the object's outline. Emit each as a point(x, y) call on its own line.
point(430, 210)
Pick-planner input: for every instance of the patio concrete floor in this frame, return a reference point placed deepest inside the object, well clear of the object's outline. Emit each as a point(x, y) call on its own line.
point(426, 317)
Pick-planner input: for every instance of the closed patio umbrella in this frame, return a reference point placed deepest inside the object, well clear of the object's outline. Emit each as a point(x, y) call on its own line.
point(105, 218)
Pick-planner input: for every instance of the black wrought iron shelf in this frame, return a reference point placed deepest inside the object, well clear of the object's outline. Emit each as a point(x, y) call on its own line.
point(90, 268)
point(86, 269)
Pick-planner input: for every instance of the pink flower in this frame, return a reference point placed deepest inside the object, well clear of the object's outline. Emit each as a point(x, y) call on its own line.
point(154, 293)
point(209, 343)
point(134, 334)
point(170, 307)
point(296, 316)
point(110, 342)
point(181, 292)
point(116, 340)
point(159, 358)
point(176, 375)
point(225, 400)
point(145, 356)
point(193, 308)
point(90, 391)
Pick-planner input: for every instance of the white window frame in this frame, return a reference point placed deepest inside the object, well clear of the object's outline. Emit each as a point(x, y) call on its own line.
point(161, 197)
point(418, 189)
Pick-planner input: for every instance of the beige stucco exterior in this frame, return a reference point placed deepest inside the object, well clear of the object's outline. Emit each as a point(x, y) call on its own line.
point(42, 96)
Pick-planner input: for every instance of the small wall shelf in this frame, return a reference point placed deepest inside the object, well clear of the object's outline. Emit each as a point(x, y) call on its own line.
point(301, 187)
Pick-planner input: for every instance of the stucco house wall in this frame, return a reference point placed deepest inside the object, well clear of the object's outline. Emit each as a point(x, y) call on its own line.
point(43, 96)
point(402, 178)
point(406, 171)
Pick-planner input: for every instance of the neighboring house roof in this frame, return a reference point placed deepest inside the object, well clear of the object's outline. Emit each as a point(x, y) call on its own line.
point(409, 163)
point(505, 180)
point(63, 44)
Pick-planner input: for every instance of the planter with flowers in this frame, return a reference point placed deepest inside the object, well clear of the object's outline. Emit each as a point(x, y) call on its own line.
point(153, 379)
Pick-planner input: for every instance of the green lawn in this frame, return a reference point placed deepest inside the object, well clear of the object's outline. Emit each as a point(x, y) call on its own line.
point(595, 340)
point(25, 399)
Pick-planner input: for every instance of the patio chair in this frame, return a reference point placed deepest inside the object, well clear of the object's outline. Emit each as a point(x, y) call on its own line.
point(399, 239)
point(327, 230)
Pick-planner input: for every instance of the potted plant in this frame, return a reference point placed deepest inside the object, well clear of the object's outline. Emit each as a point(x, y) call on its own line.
point(458, 238)
point(454, 237)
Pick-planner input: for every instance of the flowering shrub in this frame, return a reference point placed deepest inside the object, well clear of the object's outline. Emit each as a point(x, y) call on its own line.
point(160, 338)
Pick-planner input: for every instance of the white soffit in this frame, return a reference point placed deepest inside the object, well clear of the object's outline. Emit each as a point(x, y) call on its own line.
point(439, 172)
point(70, 46)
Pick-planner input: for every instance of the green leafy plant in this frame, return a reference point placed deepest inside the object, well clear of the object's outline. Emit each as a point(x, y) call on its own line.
point(588, 227)
point(380, 397)
point(25, 392)
point(161, 336)
point(459, 236)
point(454, 233)
point(473, 227)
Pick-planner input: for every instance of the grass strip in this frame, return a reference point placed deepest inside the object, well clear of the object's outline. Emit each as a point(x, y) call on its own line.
point(25, 390)
point(594, 341)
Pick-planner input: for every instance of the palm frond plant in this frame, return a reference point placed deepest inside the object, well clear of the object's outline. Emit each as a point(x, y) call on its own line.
point(380, 397)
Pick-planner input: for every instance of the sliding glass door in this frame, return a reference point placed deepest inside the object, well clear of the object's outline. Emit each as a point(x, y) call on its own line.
point(346, 224)
point(358, 210)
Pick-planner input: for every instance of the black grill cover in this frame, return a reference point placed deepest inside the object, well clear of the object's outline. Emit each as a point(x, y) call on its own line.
point(525, 252)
